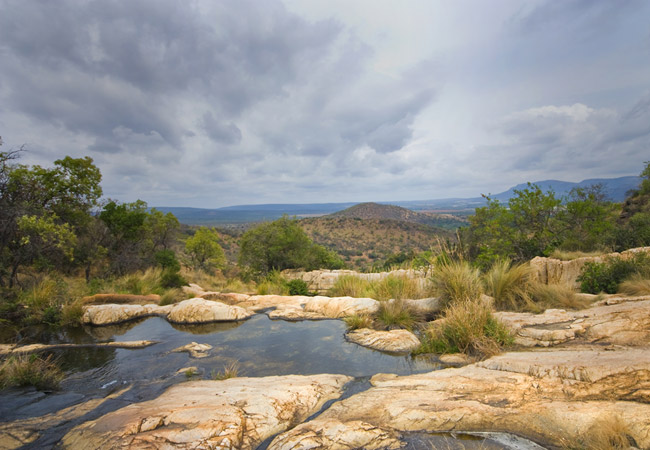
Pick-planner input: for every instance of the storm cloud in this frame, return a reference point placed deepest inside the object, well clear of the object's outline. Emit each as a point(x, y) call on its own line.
point(215, 103)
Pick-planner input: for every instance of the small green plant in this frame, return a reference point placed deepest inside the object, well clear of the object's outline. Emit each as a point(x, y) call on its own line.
point(30, 370)
point(358, 321)
point(297, 287)
point(469, 327)
point(231, 370)
point(396, 314)
point(508, 284)
point(456, 281)
point(190, 372)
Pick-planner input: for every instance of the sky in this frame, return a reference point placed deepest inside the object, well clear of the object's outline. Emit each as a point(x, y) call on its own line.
point(217, 103)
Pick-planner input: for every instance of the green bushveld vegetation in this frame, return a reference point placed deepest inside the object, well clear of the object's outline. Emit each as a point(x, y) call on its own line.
point(30, 370)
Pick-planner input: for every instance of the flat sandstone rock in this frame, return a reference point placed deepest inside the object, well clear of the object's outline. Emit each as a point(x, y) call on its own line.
point(234, 413)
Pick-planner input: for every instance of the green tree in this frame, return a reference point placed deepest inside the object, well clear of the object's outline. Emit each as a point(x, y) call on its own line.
point(283, 244)
point(588, 220)
point(204, 249)
point(41, 208)
point(526, 228)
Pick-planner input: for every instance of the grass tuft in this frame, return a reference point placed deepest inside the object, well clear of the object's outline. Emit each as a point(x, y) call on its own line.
point(396, 314)
point(560, 296)
point(398, 288)
point(231, 370)
point(351, 286)
point(30, 370)
point(358, 321)
point(636, 285)
point(469, 327)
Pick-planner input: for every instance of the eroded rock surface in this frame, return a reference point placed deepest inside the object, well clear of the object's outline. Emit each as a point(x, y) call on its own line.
point(234, 413)
point(195, 350)
point(544, 396)
point(387, 341)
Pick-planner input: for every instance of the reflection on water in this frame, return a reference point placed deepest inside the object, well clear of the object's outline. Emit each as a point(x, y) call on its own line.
point(206, 328)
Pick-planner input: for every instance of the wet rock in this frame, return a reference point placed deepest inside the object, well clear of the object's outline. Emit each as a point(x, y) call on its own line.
point(547, 397)
point(195, 350)
point(35, 348)
point(23, 432)
point(387, 341)
point(456, 359)
point(113, 313)
point(234, 413)
point(198, 310)
point(339, 307)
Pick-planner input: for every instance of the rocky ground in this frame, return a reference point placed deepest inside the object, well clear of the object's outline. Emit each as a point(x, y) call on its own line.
point(574, 375)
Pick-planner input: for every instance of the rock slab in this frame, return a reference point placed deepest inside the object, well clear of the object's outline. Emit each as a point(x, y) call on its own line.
point(397, 341)
point(234, 413)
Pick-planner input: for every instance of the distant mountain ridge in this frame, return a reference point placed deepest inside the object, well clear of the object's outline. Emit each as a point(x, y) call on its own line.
point(614, 188)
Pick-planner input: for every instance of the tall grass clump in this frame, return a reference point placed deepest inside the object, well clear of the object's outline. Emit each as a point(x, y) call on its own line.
point(469, 327)
point(396, 314)
point(140, 283)
point(456, 281)
point(397, 287)
point(351, 286)
point(508, 284)
point(273, 284)
point(30, 370)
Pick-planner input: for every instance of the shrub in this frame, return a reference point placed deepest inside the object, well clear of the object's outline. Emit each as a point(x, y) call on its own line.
point(172, 296)
point(456, 281)
point(298, 287)
point(508, 285)
point(396, 314)
point(351, 286)
point(274, 283)
point(606, 276)
point(30, 370)
point(167, 260)
point(468, 326)
point(172, 279)
point(358, 321)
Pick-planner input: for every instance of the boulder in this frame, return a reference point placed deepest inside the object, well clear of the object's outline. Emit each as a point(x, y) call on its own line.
point(112, 313)
point(195, 350)
point(551, 397)
point(398, 341)
point(339, 307)
point(198, 310)
point(233, 413)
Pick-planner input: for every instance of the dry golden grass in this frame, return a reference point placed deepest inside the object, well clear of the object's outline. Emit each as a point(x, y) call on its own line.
point(101, 299)
point(351, 286)
point(358, 321)
point(637, 285)
point(606, 433)
point(30, 370)
point(546, 296)
point(231, 370)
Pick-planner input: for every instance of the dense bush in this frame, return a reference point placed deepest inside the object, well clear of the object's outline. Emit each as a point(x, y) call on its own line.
point(606, 276)
point(298, 287)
